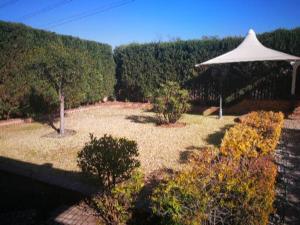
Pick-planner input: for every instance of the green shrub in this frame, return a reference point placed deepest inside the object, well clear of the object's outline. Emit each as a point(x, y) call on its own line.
point(112, 160)
point(23, 91)
point(116, 206)
point(170, 102)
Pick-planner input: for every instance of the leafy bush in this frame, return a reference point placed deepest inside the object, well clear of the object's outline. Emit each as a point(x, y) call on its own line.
point(116, 206)
point(183, 199)
point(268, 125)
point(170, 102)
point(233, 186)
point(112, 160)
point(241, 141)
point(258, 134)
point(218, 191)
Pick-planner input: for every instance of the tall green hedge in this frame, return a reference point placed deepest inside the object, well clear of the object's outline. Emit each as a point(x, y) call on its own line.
point(23, 93)
point(139, 69)
point(142, 67)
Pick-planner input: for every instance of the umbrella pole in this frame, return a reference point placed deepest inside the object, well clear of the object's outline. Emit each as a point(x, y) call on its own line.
point(295, 66)
point(220, 108)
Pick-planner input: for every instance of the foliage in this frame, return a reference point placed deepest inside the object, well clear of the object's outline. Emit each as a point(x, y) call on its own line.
point(179, 200)
point(258, 134)
point(117, 205)
point(268, 125)
point(111, 159)
point(170, 102)
point(235, 185)
point(218, 191)
point(240, 141)
point(141, 68)
point(58, 66)
point(21, 90)
point(62, 69)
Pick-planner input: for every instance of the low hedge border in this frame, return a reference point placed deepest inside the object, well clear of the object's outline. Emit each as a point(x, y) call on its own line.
point(231, 185)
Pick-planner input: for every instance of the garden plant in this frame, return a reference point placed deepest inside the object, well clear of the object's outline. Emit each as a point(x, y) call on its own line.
point(111, 159)
point(170, 102)
point(233, 185)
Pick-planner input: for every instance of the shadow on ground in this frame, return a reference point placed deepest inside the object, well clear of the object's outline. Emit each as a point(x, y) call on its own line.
point(142, 119)
point(184, 156)
point(27, 201)
point(49, 120)
point(32, 196)
point(212, 139)
point(216, 138)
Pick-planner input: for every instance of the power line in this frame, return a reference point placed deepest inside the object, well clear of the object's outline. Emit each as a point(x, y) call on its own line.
point(86, 14)
point(7, 3)
point(45, 9)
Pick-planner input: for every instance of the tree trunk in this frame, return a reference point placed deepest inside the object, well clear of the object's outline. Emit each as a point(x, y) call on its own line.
point(62, 113)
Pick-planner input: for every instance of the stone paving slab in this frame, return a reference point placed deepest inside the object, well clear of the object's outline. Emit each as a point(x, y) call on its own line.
point(72, 215)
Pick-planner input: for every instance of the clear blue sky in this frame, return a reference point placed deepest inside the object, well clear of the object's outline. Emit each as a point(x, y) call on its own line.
point(153, 20)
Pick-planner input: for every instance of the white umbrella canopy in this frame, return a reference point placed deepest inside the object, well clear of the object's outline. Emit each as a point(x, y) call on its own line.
point(252, 50)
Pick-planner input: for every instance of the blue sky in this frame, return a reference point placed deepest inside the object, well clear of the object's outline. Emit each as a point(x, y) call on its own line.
point(153, 20)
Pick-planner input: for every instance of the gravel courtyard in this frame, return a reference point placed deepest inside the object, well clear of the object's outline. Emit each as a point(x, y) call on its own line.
point(158, 146)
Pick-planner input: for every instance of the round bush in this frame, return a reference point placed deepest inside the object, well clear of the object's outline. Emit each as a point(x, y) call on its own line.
point(111, 159)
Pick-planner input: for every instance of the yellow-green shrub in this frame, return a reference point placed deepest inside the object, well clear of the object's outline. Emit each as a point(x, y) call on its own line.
point(116, 206)
point(268, 125)
point(218, 191)
point(241, 141)
point(258, 134)
point(184, 199)
point(236, 186)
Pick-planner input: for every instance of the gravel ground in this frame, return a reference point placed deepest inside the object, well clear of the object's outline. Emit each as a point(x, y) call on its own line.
point(288, 160)
point(159, 147)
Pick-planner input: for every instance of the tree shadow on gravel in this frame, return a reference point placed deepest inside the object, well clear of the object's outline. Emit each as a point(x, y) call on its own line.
point(184, 156)
point(216, 138)
point(142, 119)
point(49, 120)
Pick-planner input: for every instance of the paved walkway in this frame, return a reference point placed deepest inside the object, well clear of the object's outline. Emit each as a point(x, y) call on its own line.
point(72, 215)
point(288, 188)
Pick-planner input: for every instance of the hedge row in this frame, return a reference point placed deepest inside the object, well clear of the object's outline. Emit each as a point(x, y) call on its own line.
point(24, 93)
point(233, 185)
point(258, 134)
point(141, 68)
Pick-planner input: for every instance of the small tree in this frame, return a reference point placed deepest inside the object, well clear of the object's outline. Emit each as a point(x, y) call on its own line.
point(170, 102)
point(111, 159)
point(62, 68)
